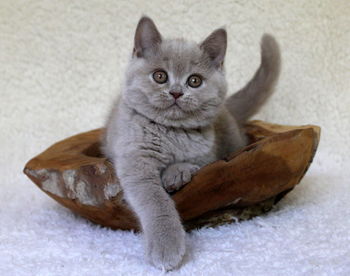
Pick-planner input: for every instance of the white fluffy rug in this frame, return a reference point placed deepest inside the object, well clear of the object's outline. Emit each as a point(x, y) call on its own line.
point(61, 63)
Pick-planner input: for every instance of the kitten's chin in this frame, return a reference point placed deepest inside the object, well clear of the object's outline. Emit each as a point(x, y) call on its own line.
point(173, 116)
point(177, 117)
point(175, 112)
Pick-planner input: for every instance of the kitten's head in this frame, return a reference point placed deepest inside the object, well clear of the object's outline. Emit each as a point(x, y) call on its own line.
point(175, 82)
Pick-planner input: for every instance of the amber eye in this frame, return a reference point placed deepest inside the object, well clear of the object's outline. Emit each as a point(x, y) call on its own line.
point(194, 81)
point(160, 76)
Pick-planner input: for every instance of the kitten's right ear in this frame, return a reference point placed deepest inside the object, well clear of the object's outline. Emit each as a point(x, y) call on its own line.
point(215, 46)
point(147, 37)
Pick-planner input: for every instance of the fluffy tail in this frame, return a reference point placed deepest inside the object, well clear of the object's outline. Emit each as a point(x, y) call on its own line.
point(247, 101)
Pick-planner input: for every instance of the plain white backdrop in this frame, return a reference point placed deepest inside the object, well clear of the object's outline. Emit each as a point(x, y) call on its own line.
point(61, 65)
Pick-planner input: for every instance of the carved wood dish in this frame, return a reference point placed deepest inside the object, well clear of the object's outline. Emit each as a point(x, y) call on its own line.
point(246, 184)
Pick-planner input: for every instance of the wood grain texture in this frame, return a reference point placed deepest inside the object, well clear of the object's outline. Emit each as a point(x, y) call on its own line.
point(246, 184)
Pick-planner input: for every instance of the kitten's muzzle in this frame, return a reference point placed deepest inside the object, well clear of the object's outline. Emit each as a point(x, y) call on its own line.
point(176, 94)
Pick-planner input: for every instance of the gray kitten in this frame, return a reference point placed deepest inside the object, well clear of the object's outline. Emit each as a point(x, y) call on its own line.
point(173, 118)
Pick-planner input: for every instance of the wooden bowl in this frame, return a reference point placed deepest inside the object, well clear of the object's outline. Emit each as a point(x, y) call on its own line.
point(246, 184)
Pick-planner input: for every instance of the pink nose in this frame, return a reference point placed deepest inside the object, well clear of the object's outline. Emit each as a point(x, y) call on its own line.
point(176, 94)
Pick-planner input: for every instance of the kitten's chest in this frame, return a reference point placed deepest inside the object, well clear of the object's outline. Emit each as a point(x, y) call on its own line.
point(183, 144)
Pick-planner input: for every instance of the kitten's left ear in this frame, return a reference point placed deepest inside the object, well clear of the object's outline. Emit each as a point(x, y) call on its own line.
point(215, 46)
point(147, 37)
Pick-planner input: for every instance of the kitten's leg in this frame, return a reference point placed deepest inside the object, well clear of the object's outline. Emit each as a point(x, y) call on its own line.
point(177, 175)
point(161, 225)
point(229, 135)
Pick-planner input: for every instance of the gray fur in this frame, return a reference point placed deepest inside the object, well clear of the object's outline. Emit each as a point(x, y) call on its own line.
point(156, 144)
point(247, 101)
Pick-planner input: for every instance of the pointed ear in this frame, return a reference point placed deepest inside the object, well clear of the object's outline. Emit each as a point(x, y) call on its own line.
point(215, 46)
point(147, 37)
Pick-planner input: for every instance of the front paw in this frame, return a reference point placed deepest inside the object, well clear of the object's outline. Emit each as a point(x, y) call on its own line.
point(165, 247)
point(177, 175)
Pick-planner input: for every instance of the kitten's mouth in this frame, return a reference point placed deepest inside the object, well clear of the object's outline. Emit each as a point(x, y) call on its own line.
point(175, 112)
point(175, 104)
point(176, 109)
